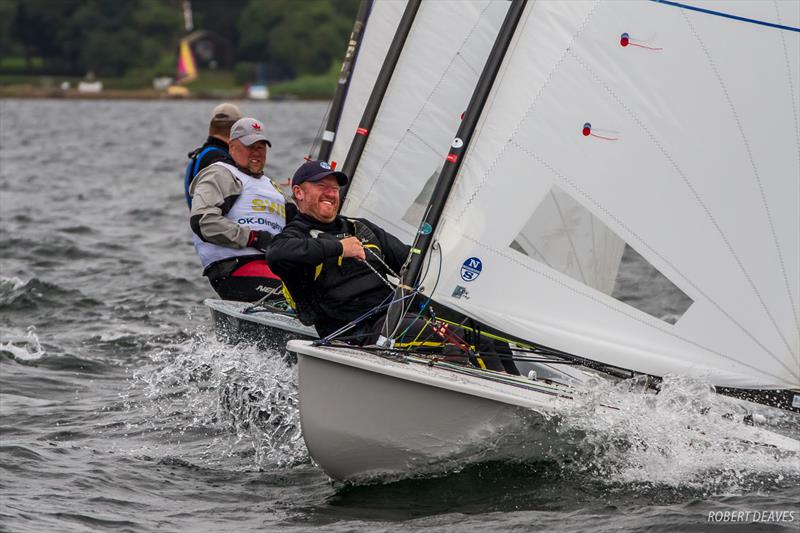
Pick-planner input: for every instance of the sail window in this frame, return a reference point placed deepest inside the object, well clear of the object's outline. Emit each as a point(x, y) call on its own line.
point(416, 210)
point(567, 237)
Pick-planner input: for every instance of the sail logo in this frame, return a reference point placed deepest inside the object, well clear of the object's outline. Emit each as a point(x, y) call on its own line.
point(471, 269)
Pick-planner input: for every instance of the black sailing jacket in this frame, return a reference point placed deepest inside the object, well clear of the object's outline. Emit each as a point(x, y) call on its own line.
point(330, 291)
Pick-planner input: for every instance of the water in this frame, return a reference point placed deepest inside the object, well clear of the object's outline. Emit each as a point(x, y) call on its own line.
point(120, 410)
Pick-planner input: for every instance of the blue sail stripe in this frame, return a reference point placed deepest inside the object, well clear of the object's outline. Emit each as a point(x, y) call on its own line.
point(726, 15)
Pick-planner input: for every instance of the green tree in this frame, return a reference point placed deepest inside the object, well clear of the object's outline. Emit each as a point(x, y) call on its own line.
point(35, 26)
point(7, 10)
point(303, 37)
point(159, 26)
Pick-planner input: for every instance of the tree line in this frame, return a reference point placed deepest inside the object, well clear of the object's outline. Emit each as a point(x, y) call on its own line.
point(140, 37)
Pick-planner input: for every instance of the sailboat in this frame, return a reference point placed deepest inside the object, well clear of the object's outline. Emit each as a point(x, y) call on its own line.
point(365, 74)
point(596, 131)
point(271, 325)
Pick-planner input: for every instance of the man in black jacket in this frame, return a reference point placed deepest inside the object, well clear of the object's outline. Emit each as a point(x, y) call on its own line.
point(216, 146)
point(333, 267)
point(335, 270)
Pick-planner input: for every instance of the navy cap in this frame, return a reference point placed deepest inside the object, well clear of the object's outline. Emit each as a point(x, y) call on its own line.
point(315, 170)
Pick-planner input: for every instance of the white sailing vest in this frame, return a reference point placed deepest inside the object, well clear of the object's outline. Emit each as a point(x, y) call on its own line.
point(260, 206)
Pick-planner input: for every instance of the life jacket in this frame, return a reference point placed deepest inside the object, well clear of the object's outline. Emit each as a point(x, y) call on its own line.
point(193, 168)
point(341, 283)
point(260, 206)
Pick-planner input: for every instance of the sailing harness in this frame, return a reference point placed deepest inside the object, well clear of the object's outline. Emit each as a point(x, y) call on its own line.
point(443, 332)
point(193, 166)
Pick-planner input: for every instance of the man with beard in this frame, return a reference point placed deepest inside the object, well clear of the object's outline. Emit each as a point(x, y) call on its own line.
point(321, 257)
point(236, 210)
point(335, 268)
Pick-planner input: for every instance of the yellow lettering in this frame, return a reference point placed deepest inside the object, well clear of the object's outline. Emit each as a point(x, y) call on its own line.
point(258, 205)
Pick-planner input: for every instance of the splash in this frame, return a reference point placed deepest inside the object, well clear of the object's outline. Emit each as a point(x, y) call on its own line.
point(19, 295)
point(11, 289)
point(27, 347)
point(244, 396)
point(684, 436)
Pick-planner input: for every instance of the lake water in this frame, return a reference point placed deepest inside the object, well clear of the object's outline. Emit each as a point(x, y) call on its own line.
point(120, 409)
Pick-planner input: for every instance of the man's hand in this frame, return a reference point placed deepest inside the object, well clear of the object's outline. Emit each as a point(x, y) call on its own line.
point(259, 240)
point(351, 247)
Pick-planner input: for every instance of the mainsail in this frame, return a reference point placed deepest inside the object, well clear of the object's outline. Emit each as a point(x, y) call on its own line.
point(673, 127)
point(383, 18)
point(421, 109)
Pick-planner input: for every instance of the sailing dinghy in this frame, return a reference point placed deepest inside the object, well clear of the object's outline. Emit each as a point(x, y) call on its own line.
point(265, 324)
point(671, 127)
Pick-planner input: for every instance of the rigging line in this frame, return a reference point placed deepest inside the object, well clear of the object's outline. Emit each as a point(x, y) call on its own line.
point(569, 238)
point(270, 293)
point(394, 289)
point(726, 15)
point(598, 278)
point(539, 256)
point(351, 324)
point(435, 284)
point(356, 321)
point(403, 307)
point(381, 261)
point(318, 136)
point(763, 198)
point(385, 281)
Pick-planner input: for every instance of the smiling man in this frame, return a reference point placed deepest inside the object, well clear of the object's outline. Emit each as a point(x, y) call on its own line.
point(330, 264)
point(236, 210)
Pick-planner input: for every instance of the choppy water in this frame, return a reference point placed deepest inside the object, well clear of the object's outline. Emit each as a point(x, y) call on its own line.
point(121, 411)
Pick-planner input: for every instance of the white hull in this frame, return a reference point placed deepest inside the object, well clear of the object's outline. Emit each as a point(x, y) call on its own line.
point(266, 328)
point(366, 417)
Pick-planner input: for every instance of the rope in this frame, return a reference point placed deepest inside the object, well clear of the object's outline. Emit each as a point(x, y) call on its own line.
point(318, 136)
point(270, 293)
point(326, 340)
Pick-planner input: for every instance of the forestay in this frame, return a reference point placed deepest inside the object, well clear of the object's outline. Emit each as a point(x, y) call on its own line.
point(676, 129)
point(429, 90)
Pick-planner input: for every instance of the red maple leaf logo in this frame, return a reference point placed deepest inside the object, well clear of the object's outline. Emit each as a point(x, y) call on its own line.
point(256, 126)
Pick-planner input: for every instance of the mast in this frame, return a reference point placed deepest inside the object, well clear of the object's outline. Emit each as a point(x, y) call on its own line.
point(378, 91)
point(459, 146)
point(329, 135)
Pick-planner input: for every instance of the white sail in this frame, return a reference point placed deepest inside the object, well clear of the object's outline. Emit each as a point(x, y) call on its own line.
point(429, 90)
point(673, 127)
point(382, 21)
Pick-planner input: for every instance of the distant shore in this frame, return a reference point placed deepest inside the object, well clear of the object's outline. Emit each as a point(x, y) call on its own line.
point(31, 91)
